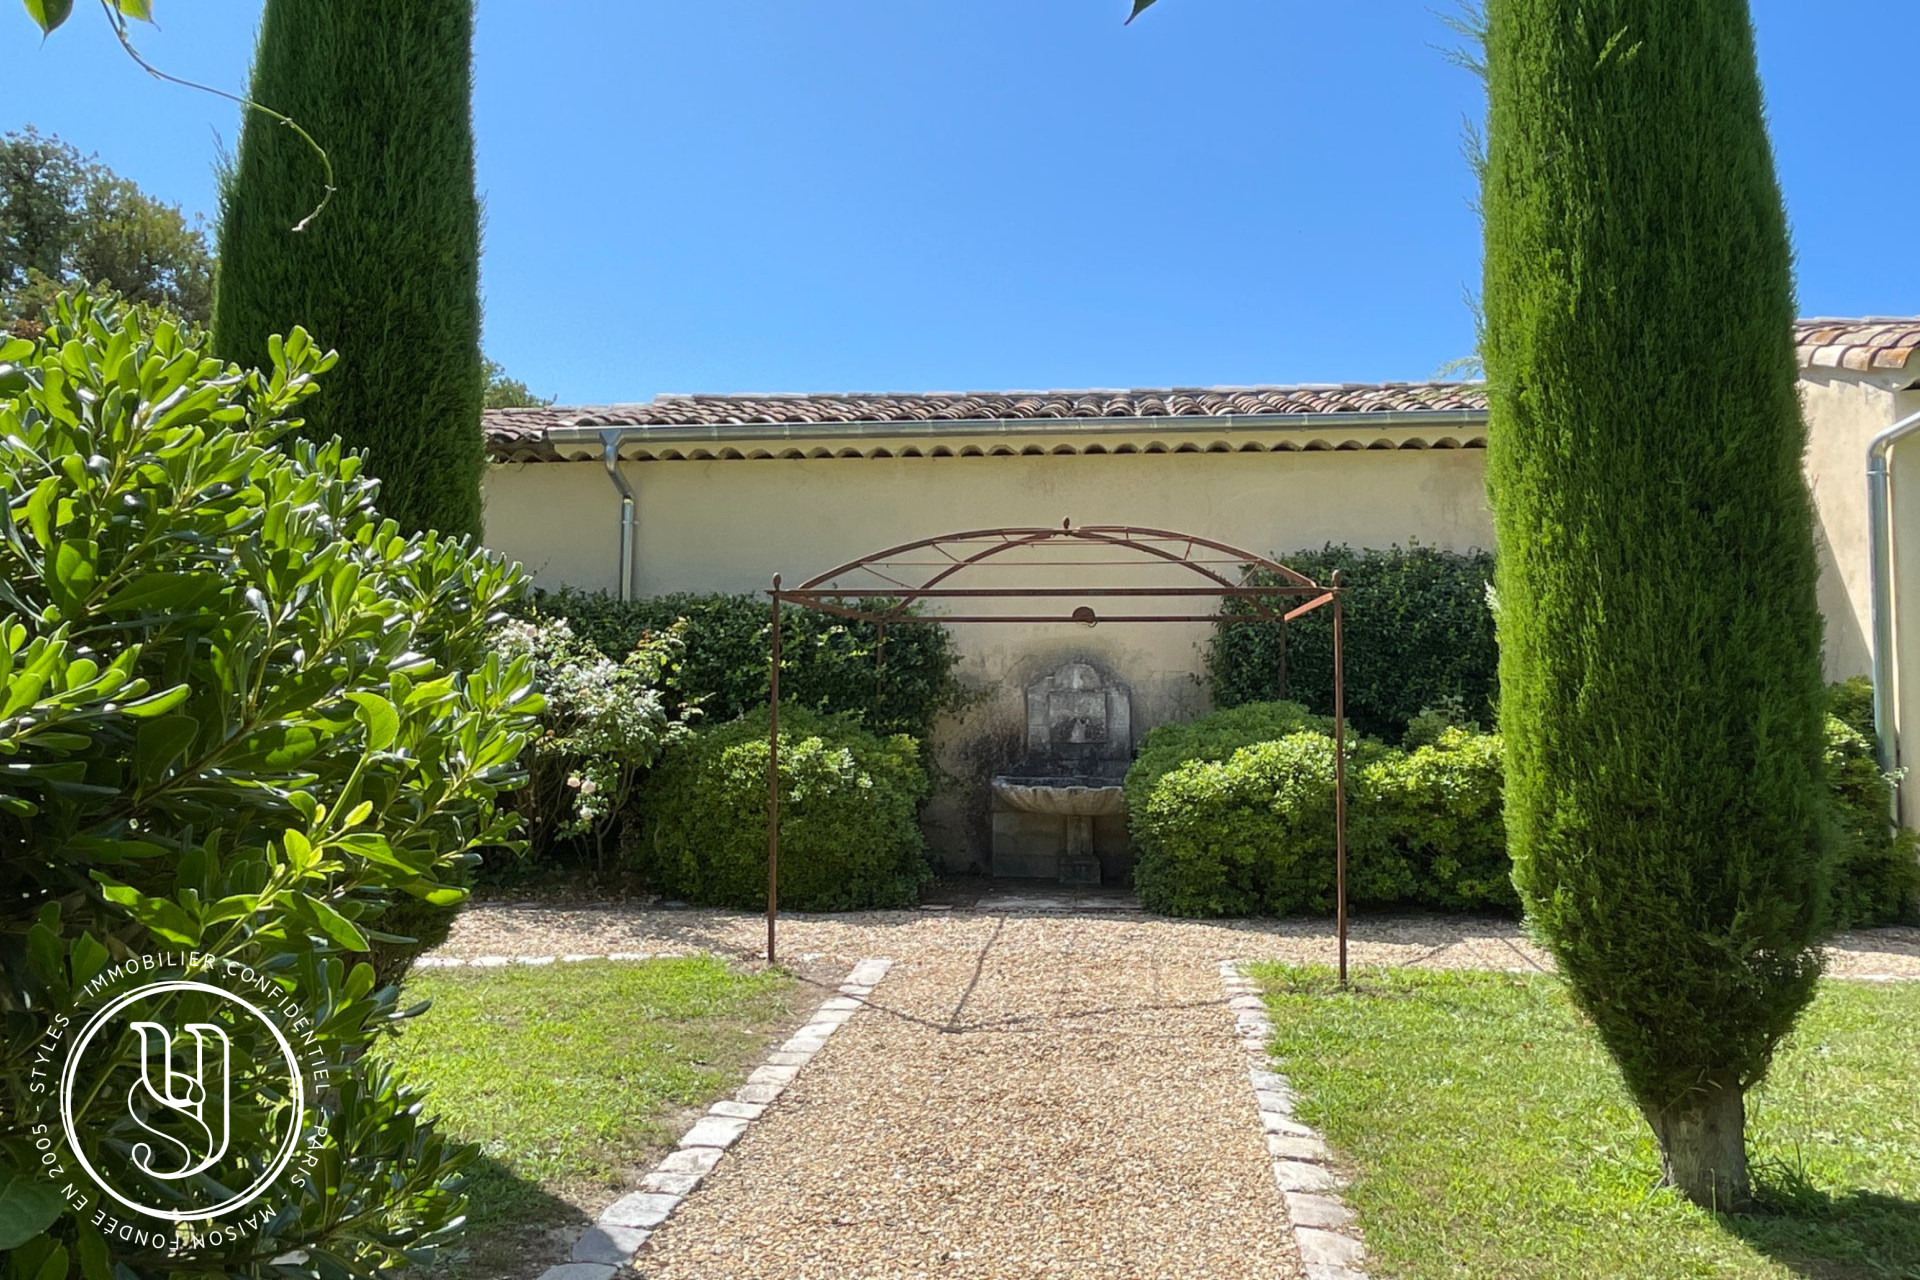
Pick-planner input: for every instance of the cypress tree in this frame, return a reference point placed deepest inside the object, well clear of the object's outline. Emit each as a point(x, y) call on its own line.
point(1659, 639)
point(389, 272)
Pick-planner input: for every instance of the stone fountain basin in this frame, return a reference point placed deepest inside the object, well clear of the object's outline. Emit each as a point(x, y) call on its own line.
point(1062, 797)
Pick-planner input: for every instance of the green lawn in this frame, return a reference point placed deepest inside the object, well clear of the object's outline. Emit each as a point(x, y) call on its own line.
point(573, 1079)
point(1489, 1135)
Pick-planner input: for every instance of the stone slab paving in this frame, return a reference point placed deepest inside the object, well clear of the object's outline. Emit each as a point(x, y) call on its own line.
point(1033, 1097)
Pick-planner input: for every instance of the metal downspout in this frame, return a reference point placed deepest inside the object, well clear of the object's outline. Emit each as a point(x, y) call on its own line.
point(610, 441)
point(1880, 549)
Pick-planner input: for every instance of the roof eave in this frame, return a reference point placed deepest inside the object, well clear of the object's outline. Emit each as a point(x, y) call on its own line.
point(589, 436)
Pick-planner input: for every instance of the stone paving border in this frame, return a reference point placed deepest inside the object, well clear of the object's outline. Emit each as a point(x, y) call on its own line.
point(626, 1224)
point(1324, 1228)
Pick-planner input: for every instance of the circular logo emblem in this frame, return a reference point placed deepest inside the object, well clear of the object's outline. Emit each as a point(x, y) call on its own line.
point(183, 1099)
point(179, 1084)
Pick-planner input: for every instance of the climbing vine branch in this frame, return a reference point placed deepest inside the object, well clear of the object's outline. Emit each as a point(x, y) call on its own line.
point(50, 14)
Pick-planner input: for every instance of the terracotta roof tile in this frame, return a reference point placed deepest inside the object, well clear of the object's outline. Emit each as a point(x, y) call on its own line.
point(1868, 345)
point(1862, 346)
point(523, 433)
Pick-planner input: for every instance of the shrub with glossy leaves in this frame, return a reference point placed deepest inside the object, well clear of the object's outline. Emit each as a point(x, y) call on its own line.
point(604, 724)
point(1250, 835)
point(849, 838)
point(1213, 737)
point(1441, 805)
point(240, 713)
point(1418, 632)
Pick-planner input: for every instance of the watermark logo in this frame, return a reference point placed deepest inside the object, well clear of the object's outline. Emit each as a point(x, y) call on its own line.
point(184, 1099)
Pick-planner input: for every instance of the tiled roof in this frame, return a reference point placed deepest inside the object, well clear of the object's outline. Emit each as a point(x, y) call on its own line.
point(1876, 345)
point(523, 433)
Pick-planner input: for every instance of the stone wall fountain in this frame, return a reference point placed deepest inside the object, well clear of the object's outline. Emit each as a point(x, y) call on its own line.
point(1048, 811)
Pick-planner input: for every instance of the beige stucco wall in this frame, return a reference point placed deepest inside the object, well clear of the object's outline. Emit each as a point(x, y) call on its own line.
point(1843, 416)
point(1844, 412)
point(731, 525)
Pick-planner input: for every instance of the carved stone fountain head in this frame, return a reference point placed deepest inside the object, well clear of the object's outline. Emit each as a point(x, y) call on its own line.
point(1079, 743)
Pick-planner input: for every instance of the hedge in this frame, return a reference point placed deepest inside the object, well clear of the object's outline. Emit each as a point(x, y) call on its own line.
point(828, 664)
point(1245, 825)
point(849, 835)
point(1418, 632)
point(1231, 814)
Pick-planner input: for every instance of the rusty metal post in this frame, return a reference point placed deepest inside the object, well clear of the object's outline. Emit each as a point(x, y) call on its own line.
point(1283, 659)
point(1339, 779)
point(773, 778)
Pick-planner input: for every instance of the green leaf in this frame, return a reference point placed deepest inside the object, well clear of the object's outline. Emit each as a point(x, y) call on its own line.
point(48, 14)
point(161, 591)
point(74, 571)
point(40, 511)
point(167, 920)
point(337, 926)
point(1139, 7)
point(158, 744)
point(87, 956)
point(157, 704)
point(28, 1206)
point(96, 1263)
point(14, 348)
point(299, 849)
point(55, 1266)
point(382, 721)
point(140, 10)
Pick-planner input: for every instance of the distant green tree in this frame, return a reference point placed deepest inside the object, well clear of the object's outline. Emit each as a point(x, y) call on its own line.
point(1660, 680)
point(66, 220)
point(389, 275)
point(504, 392)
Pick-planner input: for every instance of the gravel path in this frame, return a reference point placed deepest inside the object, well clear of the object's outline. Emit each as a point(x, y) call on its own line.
point(936, 937)
point(1026, 1097)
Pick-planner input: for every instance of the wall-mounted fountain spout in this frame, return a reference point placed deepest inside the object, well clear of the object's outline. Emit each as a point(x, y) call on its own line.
point(1079, 743)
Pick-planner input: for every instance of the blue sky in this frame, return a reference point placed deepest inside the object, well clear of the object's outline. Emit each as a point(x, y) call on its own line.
point(759, 195)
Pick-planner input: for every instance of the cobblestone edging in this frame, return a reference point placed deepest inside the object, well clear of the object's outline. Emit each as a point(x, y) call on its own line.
point(625, 1225)
point(1324, 1228)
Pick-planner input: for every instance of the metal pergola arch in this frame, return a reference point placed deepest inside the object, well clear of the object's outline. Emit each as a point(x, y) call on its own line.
point(950, 555)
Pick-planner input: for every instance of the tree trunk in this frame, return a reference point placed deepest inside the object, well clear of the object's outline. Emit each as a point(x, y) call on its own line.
point(1703, 1149)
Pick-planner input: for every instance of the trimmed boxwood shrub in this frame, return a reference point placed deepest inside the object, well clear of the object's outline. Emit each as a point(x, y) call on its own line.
point(829, 664)
point(1232, 815)
point(849, 839)
point(1213, 737)
point(1440, 803)
point(1248, 835)
point(1247, 827)
point(1419, 632)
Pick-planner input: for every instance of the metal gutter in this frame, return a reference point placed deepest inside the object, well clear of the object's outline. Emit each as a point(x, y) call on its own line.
point(1880, 552)
point(610, 441)
point(732, 432)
